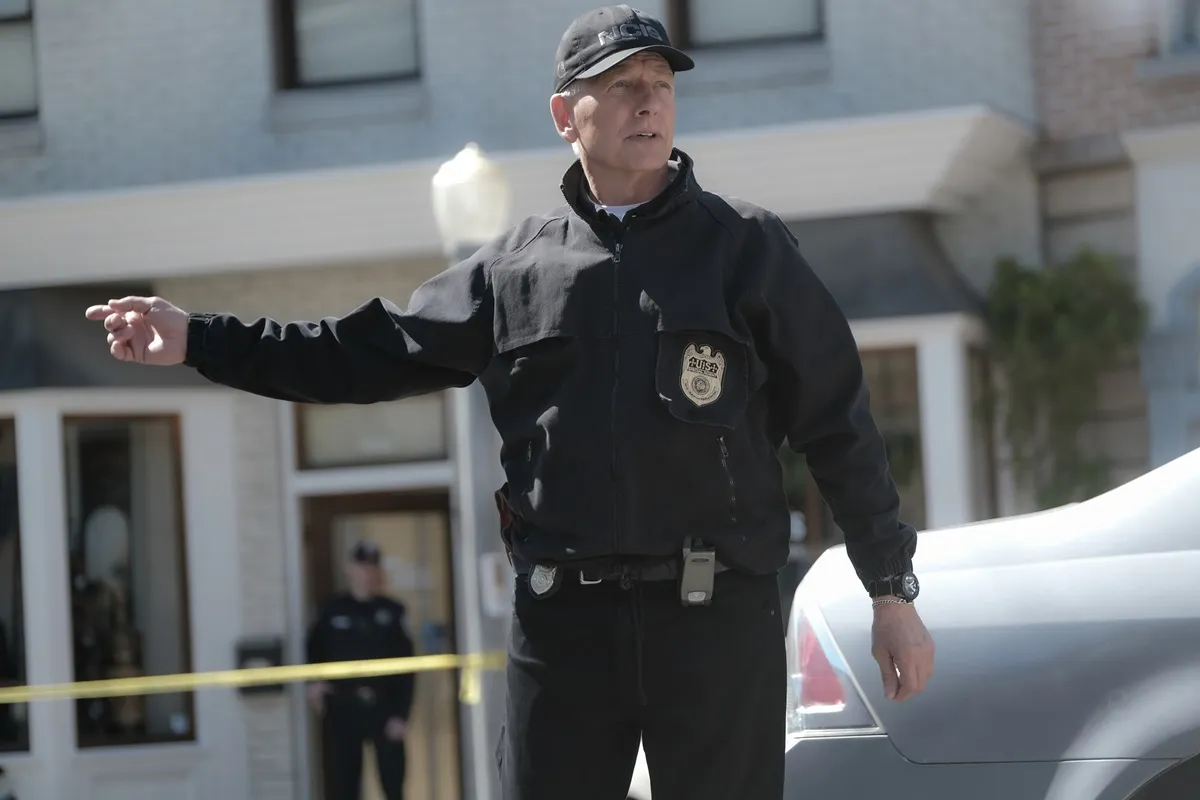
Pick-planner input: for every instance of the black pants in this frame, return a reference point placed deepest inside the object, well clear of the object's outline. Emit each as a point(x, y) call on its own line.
point(593, 669)
point(348, 726)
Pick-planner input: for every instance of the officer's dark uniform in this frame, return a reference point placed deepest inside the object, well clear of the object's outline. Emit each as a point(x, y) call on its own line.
point(349, 629)
point(8, 675)
point(642, 374)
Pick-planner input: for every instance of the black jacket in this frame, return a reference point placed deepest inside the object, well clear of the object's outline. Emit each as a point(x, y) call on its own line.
point(349, 629)
point(642, 375)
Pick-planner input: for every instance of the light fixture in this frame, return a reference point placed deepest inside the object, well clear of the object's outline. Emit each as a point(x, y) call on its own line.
point(471, 200)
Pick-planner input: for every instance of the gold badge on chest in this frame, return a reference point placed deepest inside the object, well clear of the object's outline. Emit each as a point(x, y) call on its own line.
point(703, 370)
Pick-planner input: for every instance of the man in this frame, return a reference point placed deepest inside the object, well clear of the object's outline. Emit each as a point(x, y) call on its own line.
point(9, 676)
point(645, 351)
point(356, 625)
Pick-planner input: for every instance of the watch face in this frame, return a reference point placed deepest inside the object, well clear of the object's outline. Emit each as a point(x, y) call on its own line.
point(910, 586)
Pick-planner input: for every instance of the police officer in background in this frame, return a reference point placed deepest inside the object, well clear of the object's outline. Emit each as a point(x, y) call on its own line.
point(356, 625)
point(646, 349)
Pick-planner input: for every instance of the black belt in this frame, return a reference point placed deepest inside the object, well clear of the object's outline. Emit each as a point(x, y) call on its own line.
point(599, 572)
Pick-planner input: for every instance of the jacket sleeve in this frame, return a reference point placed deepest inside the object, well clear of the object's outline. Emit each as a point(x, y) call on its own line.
point(377, 352)
point(315, 650)
point(815, 376)
point(402, 685)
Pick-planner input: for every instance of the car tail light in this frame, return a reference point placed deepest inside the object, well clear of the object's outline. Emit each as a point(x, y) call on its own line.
point(822, 696)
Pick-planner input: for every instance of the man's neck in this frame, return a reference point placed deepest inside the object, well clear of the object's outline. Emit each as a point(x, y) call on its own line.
point(362, 597)
point(626, 188)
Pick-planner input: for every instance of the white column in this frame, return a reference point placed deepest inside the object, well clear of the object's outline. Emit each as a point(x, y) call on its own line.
point(211, 530)
point(943, 380)
point(1167, 166)
point(42, 504)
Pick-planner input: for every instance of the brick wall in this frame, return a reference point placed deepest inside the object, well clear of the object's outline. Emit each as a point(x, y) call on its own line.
point(1004, 220)
point(1096, 207)
point(1100, 72)
point(284, 295)
point(1088, 56)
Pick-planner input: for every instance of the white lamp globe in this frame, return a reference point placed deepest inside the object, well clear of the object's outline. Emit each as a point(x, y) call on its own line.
point(471, 200)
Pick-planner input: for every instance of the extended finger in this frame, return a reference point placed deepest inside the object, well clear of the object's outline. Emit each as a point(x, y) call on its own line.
point(98, 312)
point(132, 303)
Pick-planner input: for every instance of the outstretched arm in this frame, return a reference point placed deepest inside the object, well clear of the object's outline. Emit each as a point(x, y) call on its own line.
point(376, 352)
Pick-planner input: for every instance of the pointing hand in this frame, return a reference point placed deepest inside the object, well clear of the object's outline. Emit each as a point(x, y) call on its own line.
point(146, 330)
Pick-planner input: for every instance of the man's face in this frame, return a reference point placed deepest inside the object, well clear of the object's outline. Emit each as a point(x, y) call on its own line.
point(623, 119)
point(364, 578)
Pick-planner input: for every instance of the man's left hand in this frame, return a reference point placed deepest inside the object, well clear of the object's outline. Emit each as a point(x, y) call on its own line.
point(395, 729)
point(901, 644)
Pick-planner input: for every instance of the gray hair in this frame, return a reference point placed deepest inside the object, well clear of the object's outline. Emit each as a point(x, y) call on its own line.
point(572, 90)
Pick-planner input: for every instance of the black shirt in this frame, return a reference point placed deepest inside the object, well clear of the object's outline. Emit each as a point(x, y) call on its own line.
point(349, 629)
point(642, 375)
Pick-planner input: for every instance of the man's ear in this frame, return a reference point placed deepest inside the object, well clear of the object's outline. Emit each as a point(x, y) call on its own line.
point(562, 111)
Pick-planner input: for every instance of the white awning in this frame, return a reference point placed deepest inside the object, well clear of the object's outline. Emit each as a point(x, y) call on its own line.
point(930, 160)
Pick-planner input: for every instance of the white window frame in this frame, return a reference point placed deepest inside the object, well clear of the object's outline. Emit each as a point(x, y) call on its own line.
point(1179, 27)
point(1189, 25)
point(469, 474)
point(55, 765)
point(683, 29)
point(22, 20)
point(942, 342)
point(289, 57)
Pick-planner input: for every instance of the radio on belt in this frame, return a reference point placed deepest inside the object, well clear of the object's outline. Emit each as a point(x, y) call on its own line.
point(696, 578)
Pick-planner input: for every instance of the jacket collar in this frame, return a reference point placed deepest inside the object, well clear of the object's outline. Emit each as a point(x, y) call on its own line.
point(681, 189)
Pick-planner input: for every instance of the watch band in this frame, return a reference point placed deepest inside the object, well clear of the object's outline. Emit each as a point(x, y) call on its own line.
point(894, 586)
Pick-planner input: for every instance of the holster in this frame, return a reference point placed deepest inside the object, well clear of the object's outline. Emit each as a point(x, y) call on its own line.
point(508, 519)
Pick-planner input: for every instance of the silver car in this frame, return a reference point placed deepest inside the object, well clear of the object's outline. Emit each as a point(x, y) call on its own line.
point(1068, 661)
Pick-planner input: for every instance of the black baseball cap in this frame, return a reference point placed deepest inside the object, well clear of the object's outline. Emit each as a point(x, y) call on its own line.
point(365, 553)
point(604, 37)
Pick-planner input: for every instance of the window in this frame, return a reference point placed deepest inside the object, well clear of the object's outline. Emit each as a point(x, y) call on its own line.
point(895, 404)
point(891, 377)
point(14, 733)
point(336, 42)
point(983, 428)
point(403, 431)
point(1189, 38)
point(706, 23)
point(18, 70)
point(128, 574)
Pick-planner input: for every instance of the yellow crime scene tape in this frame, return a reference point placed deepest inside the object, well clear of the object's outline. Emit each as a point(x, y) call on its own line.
point(469, 691)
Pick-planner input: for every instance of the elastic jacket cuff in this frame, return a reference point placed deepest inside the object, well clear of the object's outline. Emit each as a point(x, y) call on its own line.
point(197, 333)
point(897, 565)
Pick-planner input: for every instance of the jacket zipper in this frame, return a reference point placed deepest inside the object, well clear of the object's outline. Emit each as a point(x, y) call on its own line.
point(728, 478)
point(616, 320)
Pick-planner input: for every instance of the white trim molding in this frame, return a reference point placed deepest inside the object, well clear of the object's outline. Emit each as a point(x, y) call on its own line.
point(1164, 143)
point(1167, 168)
point(210, 764)
point(944, 392)
point(928, 160)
